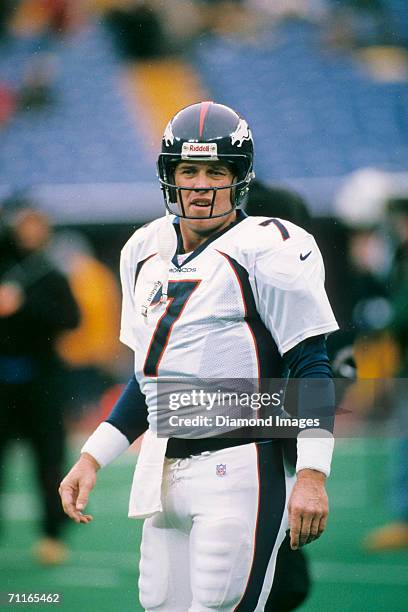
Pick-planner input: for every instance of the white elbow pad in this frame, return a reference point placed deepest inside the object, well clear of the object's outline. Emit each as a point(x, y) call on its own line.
point(105, 444)
point(315, 450)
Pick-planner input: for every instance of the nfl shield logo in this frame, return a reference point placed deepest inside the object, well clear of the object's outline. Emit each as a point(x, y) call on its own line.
point(221, 469)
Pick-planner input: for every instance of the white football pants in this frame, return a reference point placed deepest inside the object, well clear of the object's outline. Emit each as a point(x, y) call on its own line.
point(214, 546)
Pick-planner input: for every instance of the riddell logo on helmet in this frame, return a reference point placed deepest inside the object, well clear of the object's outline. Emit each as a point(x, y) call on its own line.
point(199, 149)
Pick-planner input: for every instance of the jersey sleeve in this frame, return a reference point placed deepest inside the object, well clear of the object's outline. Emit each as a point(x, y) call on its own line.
point(128, 304)
point(129, 414)
point(292, 299)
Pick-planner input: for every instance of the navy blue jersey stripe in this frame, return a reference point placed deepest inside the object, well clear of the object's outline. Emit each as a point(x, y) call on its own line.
point(270, 361)
point(271, 506)
point(139, 266)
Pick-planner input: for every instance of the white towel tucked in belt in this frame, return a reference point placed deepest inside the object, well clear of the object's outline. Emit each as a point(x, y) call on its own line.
point(145, 495)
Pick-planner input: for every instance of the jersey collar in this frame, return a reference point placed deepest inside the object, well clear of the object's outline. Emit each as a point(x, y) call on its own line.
point(241, 215)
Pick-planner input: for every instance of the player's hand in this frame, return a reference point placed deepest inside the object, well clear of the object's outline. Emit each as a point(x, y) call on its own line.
point(308, 508)
point(11, 299)
point(75, 488)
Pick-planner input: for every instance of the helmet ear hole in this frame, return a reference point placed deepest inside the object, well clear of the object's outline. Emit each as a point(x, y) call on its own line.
point(170, 171)
point(233, 168)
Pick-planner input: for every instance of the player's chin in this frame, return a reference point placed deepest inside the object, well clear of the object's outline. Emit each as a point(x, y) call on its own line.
point(198, 211)
point(206, 225)
point(203, 214)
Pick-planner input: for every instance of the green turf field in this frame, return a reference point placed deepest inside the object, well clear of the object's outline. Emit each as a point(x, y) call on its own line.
point(101, 574)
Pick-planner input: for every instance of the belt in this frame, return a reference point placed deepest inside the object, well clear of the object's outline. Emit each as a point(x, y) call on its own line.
point(181, 448)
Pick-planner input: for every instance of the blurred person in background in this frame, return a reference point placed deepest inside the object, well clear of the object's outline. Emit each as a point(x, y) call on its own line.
point(137, 28)
point(360, 256)
point(395, 534)
point(36, 305)
point(8, 103)
point(273, 201)
point(38, 89)
point(6, 8)
point(92, 351)
point(370, 310)
point(292, 580)
point(49, 19)
point(360, 23)
point(225, 17)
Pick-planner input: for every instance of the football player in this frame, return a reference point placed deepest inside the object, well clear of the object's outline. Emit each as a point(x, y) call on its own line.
point(212, 295)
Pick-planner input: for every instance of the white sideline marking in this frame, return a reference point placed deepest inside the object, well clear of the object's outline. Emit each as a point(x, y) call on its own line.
point(122, 560)
point(323, 571)
point(92, 577)
point(358, 447)
point(359, 573)
point(25, 506)
point(356, 496)
point(21, 507)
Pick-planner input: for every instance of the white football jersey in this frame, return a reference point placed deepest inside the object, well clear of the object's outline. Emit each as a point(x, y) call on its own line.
point(253, 288)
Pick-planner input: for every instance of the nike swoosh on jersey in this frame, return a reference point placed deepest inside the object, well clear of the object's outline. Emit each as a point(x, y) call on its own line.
point(303, 257)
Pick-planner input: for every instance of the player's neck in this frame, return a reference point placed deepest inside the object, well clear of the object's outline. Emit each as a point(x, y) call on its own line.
point(195, 233)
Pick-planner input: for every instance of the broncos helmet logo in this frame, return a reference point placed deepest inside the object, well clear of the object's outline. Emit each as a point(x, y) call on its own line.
point(241, 133)
point(168, 135)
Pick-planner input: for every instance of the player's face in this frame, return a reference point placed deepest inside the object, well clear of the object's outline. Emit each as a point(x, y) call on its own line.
point(201, 176)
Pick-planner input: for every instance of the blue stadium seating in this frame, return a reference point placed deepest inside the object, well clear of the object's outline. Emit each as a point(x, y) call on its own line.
point(88, 135)
point(314, 112)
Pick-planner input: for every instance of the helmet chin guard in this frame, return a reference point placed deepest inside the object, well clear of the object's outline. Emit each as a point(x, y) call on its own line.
point(206, 132)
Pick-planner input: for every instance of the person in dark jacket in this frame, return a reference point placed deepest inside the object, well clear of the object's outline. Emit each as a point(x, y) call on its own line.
point(394, 534)
point(36, 305)
point(292, 582)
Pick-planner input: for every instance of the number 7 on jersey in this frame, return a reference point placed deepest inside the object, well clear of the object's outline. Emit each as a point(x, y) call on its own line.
point(179, 293)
